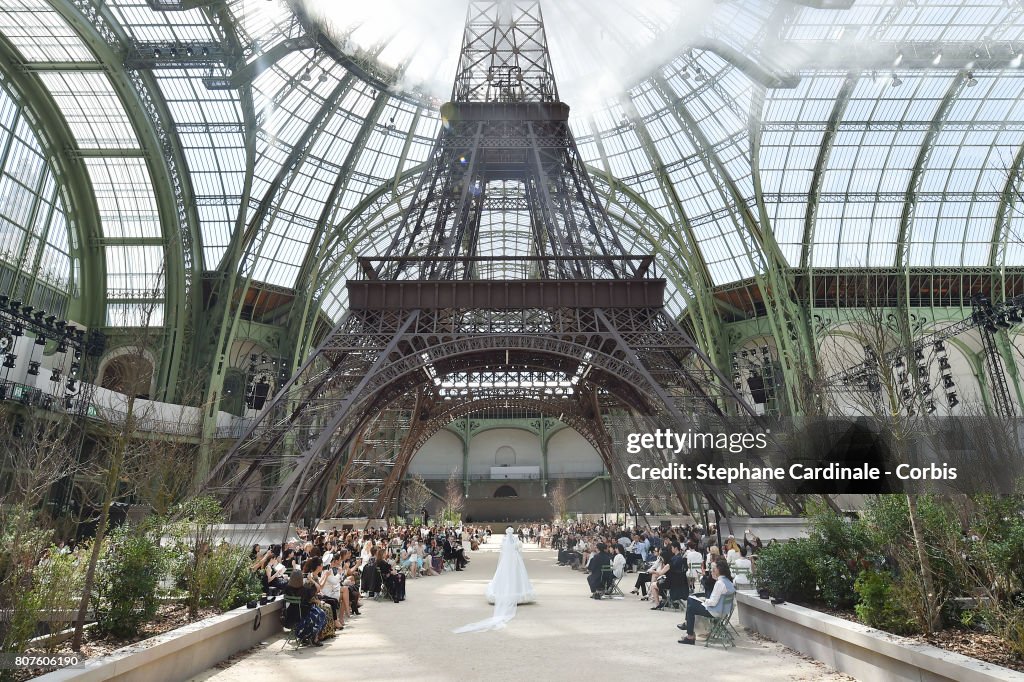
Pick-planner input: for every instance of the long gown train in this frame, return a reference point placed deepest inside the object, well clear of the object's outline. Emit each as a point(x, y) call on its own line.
point(509, 587)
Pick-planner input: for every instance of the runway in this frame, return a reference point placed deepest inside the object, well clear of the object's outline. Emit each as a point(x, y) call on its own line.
point(564, 636)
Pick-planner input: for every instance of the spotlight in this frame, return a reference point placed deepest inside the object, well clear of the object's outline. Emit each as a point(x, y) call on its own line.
point(72, 385)
point(62, 346)
point(206, 52)
point(17, 329)
point(898, 362)
point(27, 310)
point(40, 314)
point(174, 52)
point(943, 363)
point(40, 340)
point(322, 78)
point(4, 298)
point(971, 80)
point(685, 74)
point(1001, 321)
point(940, 347)
point(55, 376)
point(919, 353)
point(896, 81)
point(700, 77)
point(9, 360)
point(952, 400)
point(929, 406)
point(947, 381)
point(156, 53)
point(190, 52)
point(33, 368)
point(937, 58)
point(991, 328)
point(50, 320)
point(306, 75)
point(1013, 316)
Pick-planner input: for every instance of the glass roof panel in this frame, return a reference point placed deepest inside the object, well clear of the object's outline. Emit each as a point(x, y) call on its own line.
point(148, 25)
point(135, 272)
point(124, 195)
point(639, 137)
point(35, 235)
point(961, 182)
point(40, 34)
point(92, 109)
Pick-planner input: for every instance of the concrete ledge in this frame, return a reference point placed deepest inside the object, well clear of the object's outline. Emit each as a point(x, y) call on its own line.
point(860, 651)
point(182, 653)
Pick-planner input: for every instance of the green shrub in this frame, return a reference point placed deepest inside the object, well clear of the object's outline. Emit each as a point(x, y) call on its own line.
point(223, 579)
point(785, 570)
point(126, 586)
point(23, 541)
point(835, 581)
point(879, 605)
point(57, 585)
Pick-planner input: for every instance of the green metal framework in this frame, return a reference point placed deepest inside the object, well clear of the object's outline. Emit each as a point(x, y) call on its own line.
point(759, 179)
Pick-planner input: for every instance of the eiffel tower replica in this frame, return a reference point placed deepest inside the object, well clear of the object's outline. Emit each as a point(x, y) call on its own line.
point(505, 288)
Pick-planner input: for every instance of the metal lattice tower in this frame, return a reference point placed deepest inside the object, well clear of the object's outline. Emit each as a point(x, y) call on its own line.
point(563, 322)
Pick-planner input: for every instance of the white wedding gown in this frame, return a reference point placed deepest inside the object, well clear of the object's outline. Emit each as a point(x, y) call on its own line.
point(509, 587)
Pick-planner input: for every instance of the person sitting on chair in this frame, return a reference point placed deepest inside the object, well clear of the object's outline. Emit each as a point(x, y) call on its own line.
point(644, 578)
point(394, 580)
point(597, 563)
point(618, 560)
point(679, 585)
point(712, 606)
point(306, 618)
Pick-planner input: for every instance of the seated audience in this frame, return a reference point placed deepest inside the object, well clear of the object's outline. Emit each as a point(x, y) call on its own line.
point(394, 580)
point(712, 605)
point(305, 618)
point(618, 561)
point(595, 567)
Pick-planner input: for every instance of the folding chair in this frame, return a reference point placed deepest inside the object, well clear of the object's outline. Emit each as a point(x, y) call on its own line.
point(383, 593)
point(720, 625)
point(610, 584)
point(744, 572)
point(694, 569)
point(291, 638)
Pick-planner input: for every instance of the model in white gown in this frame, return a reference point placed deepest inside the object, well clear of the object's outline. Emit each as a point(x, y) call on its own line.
point(509, 587)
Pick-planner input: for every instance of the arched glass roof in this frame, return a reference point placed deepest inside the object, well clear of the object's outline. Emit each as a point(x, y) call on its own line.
point(771, 134)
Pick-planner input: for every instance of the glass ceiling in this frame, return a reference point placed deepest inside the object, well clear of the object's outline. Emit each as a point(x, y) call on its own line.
point(729, 128)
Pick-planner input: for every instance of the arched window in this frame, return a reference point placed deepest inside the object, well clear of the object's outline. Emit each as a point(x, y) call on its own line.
point(506, 491)
point(128, 374)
